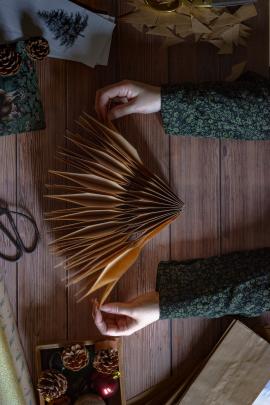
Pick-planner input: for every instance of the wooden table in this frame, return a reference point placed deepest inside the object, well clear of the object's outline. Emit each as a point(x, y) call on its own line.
point(225, 185)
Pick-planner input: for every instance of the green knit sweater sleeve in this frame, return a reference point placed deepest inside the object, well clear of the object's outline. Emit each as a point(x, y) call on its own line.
point(234, 284)
point(236, 110)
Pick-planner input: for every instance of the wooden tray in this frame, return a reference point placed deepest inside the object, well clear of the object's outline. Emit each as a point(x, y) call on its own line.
point(44, 352)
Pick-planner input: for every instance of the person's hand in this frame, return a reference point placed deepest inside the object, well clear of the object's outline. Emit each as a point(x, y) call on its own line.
point(123, 319)
point(132, 97)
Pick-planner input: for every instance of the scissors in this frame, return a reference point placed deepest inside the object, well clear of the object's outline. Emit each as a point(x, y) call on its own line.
point(16, 239)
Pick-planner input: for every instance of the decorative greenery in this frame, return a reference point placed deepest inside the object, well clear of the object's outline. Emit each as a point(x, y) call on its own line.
point(65, 26)
point(20, 104)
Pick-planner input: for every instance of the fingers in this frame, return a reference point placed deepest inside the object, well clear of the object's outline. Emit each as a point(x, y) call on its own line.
point(133, 96)
point(117, 308)
point(109, 325)
point(105, 95)
point(121, 326)
point(122, 110)
point(114, 319)
point(98, 318)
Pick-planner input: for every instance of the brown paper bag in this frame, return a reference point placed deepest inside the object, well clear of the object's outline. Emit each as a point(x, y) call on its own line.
point(236, 372)
point(169, 391)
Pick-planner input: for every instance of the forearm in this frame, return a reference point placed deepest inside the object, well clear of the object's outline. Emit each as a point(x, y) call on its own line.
point(238, 110)
point(237, 283)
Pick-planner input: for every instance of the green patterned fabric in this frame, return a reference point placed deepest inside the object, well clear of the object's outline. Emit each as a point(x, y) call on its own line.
point(237, 110)
point(234, 284)
point(20, 105)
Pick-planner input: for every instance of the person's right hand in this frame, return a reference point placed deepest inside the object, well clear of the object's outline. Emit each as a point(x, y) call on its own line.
point(125, 318)
point(132, 97)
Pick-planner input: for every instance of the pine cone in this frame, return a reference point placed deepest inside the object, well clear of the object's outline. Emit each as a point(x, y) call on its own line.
point(10, 60)
point(37, 48)
point(52, 384)
point(75, 357)
point(106, 361)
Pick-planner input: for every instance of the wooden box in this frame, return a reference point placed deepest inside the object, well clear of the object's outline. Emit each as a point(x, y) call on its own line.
point(45, 352)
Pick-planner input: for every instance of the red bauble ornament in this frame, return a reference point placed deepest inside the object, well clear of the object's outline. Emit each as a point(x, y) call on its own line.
point(105, 385)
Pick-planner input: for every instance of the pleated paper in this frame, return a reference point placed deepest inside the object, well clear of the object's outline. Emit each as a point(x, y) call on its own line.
point(116, 205)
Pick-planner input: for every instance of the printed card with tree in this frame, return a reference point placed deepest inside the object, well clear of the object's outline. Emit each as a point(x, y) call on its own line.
point(65, 26)
point(73, 32)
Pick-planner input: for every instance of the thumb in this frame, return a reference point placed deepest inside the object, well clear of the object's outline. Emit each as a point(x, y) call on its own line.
point(121, 110)
point(116, 308)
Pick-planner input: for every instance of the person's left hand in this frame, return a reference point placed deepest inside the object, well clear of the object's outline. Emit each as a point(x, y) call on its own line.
point(123, 319)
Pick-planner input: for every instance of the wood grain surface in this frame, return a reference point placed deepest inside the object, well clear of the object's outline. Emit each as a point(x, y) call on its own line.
point(225, 186)
point(195, 172)
point(42, 305)
point(8, 195)
point(150, 348)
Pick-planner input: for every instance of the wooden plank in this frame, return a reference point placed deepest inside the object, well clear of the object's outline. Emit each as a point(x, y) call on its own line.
point(147, 353)
point(41, 292)
point(8, 183)
point(82, 84)
point(245, 165)
point(195, 176)
point(258, 44)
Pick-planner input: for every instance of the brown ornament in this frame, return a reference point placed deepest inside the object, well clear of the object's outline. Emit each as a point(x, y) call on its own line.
point(10, 60)
point(75, 357)
point(64, 400)
point(90, 399)
point(52, 384)
point(37, 48)
point(106, 361)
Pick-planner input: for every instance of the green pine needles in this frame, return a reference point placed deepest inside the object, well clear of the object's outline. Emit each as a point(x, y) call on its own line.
point(66, 27)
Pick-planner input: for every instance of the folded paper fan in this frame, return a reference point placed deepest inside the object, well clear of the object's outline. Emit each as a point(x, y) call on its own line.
point(116, 206)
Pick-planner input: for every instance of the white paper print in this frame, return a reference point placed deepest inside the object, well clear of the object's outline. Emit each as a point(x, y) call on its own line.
point(73, 32)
